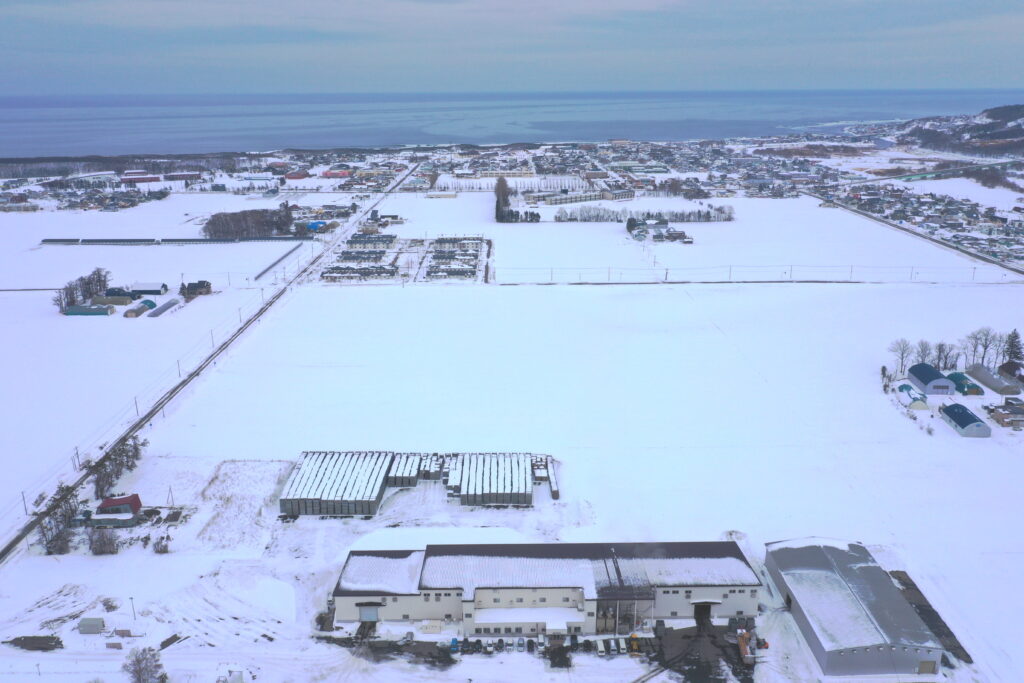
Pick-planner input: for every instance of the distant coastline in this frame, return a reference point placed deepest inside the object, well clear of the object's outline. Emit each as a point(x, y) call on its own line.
point(77, 125)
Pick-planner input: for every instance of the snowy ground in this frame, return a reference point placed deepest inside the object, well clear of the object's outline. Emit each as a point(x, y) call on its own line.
point(646, 395)
point(771, 239)
point(965, 188)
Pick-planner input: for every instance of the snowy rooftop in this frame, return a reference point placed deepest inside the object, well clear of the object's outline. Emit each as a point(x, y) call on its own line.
point(849, 600)
point(621, 570)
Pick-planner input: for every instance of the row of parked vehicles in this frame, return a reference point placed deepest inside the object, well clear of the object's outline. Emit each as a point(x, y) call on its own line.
point(605, 646)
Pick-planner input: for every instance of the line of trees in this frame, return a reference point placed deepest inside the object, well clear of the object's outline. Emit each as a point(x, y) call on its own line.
point(251, 223)
point(600, 214)
point(122, 457)
point(503, 211)
point(984, 346)
point(55, 530)
point(82, 290)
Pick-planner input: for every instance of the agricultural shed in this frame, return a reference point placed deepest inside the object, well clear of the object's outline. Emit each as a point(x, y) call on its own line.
point(140, 308)
point(163, 308)
point(154, 288)
point(928, 380)
point(91, 625)
point(112, 300)
point(911, 398)
point(964, 385)
point(89, 310)
point(993, 380)
point(850, 612)
point(966, 423)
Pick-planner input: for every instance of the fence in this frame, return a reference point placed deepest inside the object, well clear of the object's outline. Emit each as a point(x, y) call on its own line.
point(757, 273)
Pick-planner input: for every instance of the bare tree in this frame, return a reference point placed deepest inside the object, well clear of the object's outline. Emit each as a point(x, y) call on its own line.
point(945, 356)
point(102, 542)
point(902, 349)
point(986, 340)
point(970, 345)
point(923, 351)
point(143, 665)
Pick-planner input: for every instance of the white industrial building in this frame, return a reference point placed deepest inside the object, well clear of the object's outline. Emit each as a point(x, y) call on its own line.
point(851, 613)
point(553, 588)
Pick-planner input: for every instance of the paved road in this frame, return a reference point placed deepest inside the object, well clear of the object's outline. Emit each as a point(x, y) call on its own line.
point(155, 409)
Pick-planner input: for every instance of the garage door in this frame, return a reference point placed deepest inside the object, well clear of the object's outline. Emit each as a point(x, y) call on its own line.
point(926, 667)
point(368, 613)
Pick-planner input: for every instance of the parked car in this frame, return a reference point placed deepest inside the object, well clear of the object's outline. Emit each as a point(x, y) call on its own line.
point(500, 647)
point(407, 638)
point(521, 644)
point(530, 645)
point(588, 646)
point(602, 647)
point(465, 647)
point(478, 646)
point(623, 648)
point(489, 648)
point(574, 643)
point(454, 647)
point(613, 646)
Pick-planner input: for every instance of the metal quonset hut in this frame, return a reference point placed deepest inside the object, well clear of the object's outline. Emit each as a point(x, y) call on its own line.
point(928, 380)
point(964, 385)
point(992, 380)
point(965, 422)
point(853, 617)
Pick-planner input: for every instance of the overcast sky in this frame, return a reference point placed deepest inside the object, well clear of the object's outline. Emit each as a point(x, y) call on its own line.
point(267, 46)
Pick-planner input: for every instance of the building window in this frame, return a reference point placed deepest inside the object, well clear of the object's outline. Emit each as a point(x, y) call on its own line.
point(739, 613)
point(426, 598)
point(437, 598)
point(732, 590)
point(458, 595)
point(565, 599)
point(742, 590)
point(447, 616)
point(437, 595)
point(753, 592)
point(467, 615)
point(590, 614)
point(519, 599)
point(674, 592)
point(508, 629)
point(674, 614)
point(543, 599)
point(478, 631)
point(495, 600)
point(405, 616)
point(725, 596)
point(533, 629)
point(519, 629)
point(487, 629)
point(447, 595)
point(394, 599)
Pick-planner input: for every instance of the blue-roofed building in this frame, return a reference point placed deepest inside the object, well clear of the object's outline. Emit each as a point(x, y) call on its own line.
point(965, 422)
point(964, 385)
point(928, 380)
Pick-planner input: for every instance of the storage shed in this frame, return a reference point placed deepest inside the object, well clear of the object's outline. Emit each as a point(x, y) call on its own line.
point(964, 385)
point(163, 308)
point(966, 423)
point(111, 300)
point(993, 380)
point(928, 380)
point(91, 625)
point(152, 288)
point(850, 612)
point(911, 397)
point(140, 309)
point(89, 310)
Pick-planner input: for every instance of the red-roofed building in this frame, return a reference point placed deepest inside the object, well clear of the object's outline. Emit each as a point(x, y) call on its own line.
point(112, 506)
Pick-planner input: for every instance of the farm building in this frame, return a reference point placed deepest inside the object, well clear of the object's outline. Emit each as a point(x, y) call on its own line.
point(94, 309)
point(928, 380)
point(149, 288)
point(965, 422)
point(163, 308)
point(91, 625)
point(140, 309)
point(118, 512)
point(353, 483)
point(554, 588)
point(850, 612)
point(964, 385)
point(1013, 371)
point(993, 380)
point(911, 398)
point(1010, 414)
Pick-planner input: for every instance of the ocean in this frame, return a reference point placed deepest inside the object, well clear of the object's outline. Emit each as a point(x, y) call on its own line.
point(167, 124)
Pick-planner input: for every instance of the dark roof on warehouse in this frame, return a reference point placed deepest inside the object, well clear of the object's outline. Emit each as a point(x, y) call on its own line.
point(858, 591)
point(925, 372)
point(960, 414)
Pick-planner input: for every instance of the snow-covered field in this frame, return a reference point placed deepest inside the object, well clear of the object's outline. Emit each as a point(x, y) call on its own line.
point(965, 188)
point(744, 411)
point(771, 239)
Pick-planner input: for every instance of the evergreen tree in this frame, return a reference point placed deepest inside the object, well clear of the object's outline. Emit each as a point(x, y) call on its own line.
point(1014, 351)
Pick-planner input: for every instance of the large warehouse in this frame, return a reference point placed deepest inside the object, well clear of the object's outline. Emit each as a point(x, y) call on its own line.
point(853, 617)
point(555, 588)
